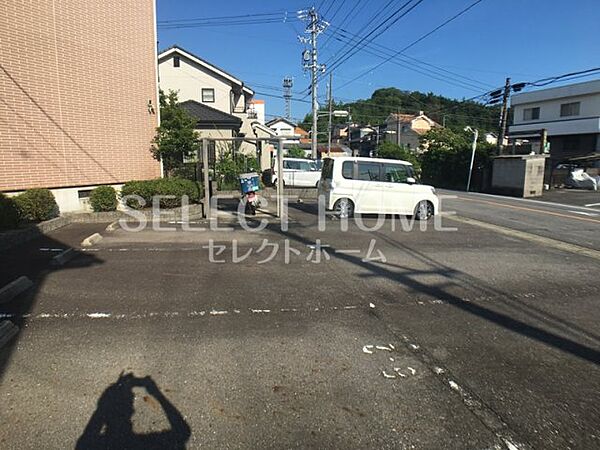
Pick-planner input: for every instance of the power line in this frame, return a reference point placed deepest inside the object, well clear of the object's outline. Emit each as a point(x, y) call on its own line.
point(342, 23)
point(242, 19)
point(394, 18)
point(281, 96)
point(564, 77)
point(416, 41)
point(453, 80)
point(278, 13)
point(372, 19)
point(220, 24)
point(345, 34)
point(329, 8)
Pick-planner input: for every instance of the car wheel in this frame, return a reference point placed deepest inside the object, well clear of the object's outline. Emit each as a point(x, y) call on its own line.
point(344, 208)
point(424, 210)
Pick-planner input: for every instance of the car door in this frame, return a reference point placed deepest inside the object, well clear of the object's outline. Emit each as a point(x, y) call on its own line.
point(303, 175)
point(398, 195)
point(369, 186)
point(290, 168)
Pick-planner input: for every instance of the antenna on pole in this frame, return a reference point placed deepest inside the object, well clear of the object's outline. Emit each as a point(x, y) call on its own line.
point(288, 82)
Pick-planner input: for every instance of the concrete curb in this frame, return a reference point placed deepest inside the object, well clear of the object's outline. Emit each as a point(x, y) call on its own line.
point(62, 258)
point(8, 330)
point(91, 240)
point(113, 226)
point(12, 238)
point(14, 288)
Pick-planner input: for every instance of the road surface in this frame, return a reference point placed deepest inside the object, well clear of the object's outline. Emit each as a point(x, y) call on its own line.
point(481, 337)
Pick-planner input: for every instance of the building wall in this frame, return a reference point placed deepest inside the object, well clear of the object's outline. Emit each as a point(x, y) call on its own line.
point(75, 81)
point(421, 124)
point(549, 102)
point(550, 111)
point(259, 108)
point(188, 80)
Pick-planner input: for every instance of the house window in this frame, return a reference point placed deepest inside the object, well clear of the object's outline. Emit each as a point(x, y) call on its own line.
point(531, 113)
point(84, 194)
point(569, 109)
point(176, 61)
point(208, 95)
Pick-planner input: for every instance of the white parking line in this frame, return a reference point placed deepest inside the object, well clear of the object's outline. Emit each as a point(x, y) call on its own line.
point(167, 314)
point(584, 213)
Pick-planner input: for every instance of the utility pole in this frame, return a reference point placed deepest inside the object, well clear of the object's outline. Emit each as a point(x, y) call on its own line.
point(330, 113)
point(398, 127)
point(503, 116)
point(313, 82)
point(473, 150)
point(315, 27)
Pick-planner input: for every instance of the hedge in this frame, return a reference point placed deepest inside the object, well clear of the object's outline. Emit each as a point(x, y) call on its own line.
point(103, 198)
point(147, 189)
point(9, 213)
point(36, 205)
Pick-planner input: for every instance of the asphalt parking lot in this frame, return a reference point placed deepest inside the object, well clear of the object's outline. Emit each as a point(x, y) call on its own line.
point(473, 338)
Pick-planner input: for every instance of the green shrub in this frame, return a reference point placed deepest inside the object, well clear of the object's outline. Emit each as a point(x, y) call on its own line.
point(37, 205)
point(9, 213)
point(103, 198)
point(178, 187)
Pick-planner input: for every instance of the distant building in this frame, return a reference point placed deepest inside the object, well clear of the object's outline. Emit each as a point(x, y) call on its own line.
point(340, 133)
point(303, 134)
point(256, 110)
point(490, 138)
point(78, 96)
point(362, 139)
point(569, 114)
point(284, 127)
point(406, 129)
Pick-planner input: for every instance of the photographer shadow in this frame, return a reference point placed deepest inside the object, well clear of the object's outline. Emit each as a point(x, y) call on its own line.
point(111, 424)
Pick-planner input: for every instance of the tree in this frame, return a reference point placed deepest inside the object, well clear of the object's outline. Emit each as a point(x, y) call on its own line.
point(296, 152)
point(439, 138)
point(176, 137)
point(447, 159)
point(389, 150)
point(456, 114)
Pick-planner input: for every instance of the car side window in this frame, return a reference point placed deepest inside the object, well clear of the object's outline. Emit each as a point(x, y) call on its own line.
point(368, 171)
point(395, 173)
point(293, 165)
point(305, 166)
point(286, 164)
point(348, 170)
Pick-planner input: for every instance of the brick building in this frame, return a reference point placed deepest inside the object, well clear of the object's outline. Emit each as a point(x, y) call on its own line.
point(78, 95)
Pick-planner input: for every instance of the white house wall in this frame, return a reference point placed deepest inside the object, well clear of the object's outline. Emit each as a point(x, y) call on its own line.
point(549, 102)
point(188, 80)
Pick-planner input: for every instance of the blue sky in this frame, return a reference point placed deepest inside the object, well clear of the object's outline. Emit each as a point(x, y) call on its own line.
point(523, 39)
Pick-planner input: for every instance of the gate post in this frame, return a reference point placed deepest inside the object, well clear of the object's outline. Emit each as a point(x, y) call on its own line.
point(206, 209)
point(279, 177)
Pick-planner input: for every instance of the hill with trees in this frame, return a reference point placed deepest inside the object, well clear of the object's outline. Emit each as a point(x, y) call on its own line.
point(456, 114)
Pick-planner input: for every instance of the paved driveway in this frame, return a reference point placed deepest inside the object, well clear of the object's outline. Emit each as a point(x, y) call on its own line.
point(304, 338)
